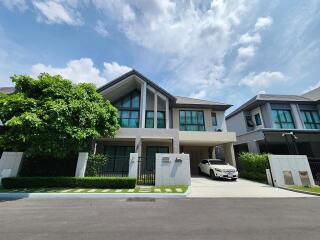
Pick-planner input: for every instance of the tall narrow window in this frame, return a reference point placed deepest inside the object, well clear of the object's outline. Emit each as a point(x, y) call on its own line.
point(282, 119)
point(310, 119)
point(128, 110)
point(249, 121)
point(257, 118)
point(214, 119)
point(191, 120)
point(161, 119)
point(149, 119)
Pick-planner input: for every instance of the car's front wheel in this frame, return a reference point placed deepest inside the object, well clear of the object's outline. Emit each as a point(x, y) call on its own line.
point(212, 176)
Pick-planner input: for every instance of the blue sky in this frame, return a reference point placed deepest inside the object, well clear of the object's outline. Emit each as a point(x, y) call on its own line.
point(217, 50)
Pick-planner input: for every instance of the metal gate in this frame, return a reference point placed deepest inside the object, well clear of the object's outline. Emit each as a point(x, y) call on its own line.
point(315, 169)
point(145, 176)
point(115, 167)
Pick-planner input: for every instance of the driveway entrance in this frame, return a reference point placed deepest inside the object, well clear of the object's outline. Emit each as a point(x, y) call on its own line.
point(203, 187)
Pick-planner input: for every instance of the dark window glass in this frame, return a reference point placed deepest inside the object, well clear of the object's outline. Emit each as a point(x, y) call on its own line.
point(149, 119)
point(249, 121)
point(310, 119)
point(191, 121)
point(161, 120)
point(214, 119)
point(258, 119)
point(128, 110)
point(282, 119)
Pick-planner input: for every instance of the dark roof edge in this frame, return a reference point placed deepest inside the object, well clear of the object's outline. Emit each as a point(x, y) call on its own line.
point(134, 72)
point(206, 106)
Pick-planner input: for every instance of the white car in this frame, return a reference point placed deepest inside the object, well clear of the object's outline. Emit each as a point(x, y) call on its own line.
point(217, 168)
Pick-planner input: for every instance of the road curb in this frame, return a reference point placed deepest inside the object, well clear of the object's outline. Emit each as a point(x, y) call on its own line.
point(20, 195)
point(301, 191)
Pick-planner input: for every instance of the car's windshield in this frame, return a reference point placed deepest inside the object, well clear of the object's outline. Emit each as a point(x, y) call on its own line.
point(216, 162)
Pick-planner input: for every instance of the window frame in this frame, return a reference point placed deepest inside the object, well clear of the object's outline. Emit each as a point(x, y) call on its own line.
point(214, 119)
point(314, 123)
point(280, 122)
point(258, 123)
point(183, 126)
point(249, 118)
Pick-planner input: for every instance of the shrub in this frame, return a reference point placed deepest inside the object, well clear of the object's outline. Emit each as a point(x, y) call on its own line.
point(95, 163)
point(68, 182)
point(253, 166)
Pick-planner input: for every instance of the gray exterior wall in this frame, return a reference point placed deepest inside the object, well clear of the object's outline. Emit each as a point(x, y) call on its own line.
point(237, 124)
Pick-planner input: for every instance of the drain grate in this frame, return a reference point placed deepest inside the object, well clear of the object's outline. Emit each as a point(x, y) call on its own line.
point(137, 199)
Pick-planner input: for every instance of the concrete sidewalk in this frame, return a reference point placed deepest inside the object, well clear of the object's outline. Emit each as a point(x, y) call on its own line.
point(203, 187)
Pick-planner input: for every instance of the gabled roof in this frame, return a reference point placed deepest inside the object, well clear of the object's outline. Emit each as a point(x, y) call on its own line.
point(194, 102)
point(261, 99)
point(313, 94)
point(136, 73)
point(7, 90)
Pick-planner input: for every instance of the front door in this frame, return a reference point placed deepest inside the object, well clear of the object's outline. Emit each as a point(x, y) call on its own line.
point(151, 156)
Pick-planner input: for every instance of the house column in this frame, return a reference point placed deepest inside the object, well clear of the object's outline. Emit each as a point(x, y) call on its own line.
point(253, 147)
point(296, 116)
point(155, 110)
point(143, 104)
point(213, 152)
point(167, 114)
point(229, 154)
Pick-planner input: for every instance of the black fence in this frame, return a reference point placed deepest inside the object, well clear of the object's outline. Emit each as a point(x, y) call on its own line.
point(315, 169)
point(115, 167)
point(146, 176)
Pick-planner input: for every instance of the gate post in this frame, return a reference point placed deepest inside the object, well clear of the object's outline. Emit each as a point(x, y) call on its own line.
point(133, 165)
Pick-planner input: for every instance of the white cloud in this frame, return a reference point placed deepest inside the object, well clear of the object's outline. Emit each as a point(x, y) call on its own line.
point(262, 23)
point(248, 38)
point(83, 71)
point(11, 4)
point(246, 52)
point(101, 29)
point(52, 11)
point(263, 79)
point(113, 70)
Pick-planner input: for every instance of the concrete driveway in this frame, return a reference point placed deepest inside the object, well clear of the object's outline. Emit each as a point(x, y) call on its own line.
point(203, 187)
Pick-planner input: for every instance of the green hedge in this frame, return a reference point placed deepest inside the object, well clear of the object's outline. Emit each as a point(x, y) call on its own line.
point(68, 182)
point(253, 166)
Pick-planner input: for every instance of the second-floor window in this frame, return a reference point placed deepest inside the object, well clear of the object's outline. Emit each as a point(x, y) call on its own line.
point(282, 119)
point(310, 119)
point(161, 122)
point(214, 119)
point(257, 118)
point(128, 110)
point(191, 121)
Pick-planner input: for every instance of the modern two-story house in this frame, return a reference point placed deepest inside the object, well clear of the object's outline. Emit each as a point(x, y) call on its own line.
point(154, 121)
point(278, 124)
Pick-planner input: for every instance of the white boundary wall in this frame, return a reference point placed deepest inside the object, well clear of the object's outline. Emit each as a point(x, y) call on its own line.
point(133, 165)
point(172, 169)
point(293, 163)
point(81, 164)
point(10, 164)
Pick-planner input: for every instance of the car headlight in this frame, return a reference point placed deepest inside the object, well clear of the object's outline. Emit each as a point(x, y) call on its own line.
point(218, 170)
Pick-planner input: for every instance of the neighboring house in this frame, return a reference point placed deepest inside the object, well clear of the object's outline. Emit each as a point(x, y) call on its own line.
point(154, 121)
point(279, 124)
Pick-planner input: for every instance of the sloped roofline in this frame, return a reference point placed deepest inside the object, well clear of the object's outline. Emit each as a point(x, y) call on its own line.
point(136, 73)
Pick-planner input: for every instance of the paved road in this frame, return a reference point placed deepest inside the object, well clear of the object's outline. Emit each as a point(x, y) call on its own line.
point(206, 187)
point(231, 218)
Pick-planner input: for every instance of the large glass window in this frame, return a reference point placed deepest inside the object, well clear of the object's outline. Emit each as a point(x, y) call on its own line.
point(128, 110)
point(161, 120)
point(282, 119)
point(257, 118)
point(311, 119)
point(191, 120)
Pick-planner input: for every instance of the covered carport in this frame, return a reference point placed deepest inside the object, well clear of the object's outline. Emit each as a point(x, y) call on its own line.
point(204, 145)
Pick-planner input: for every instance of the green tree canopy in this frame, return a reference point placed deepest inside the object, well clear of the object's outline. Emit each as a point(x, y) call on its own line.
point(52, 116)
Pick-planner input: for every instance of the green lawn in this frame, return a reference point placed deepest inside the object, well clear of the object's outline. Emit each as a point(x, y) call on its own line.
point(307, 189)
point(151, 189)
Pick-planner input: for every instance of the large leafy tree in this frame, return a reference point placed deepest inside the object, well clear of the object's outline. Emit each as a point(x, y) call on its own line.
point(50, 116)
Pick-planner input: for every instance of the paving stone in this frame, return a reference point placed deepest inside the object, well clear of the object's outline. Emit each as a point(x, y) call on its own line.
point(65, 191)
point(157, 190)
point(79, 190)
point(118, 191)
point(105, 190)
point(131, 190)
point(179, 190)
point(92, 190)
point(168, 190)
